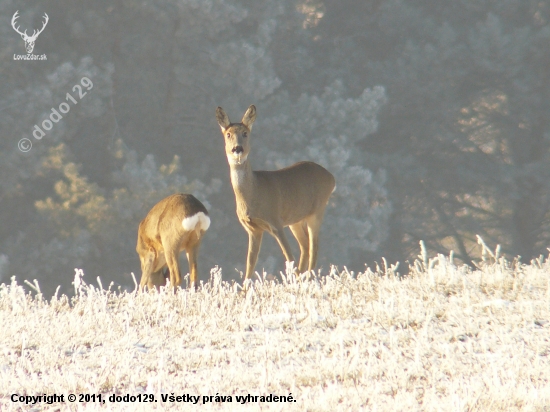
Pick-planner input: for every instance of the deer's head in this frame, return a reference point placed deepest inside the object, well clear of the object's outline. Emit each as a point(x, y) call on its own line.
point(236, 135)
point(29, 40)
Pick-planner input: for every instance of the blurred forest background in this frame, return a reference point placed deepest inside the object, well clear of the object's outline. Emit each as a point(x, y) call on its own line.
point(434, 116)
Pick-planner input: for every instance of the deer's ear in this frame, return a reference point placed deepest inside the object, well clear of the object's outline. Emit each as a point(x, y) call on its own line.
point(222, 118)
point(249, 117)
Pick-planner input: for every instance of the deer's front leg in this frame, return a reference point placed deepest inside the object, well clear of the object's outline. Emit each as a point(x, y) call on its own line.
point(147, 267)
point(279, 234)
point(254, 244)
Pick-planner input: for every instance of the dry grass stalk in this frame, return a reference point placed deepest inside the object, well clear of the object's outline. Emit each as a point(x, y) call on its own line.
point(444, 338)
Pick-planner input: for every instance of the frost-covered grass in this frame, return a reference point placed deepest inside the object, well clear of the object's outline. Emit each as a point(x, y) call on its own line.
point(442, 339)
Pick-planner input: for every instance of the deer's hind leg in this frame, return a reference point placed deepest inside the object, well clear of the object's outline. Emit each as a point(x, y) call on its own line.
point(192, 251)
point(172, 247)
point(313, 228)
point(299, 230)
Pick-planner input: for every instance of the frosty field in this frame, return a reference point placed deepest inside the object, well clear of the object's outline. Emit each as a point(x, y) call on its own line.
point(444, 338)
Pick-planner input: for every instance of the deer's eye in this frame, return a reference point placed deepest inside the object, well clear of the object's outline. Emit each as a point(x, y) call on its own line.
point(228, 135)
point(245, 134)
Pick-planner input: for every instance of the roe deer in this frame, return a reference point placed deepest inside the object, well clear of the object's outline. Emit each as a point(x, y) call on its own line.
point(176, 223)
point(295, 196)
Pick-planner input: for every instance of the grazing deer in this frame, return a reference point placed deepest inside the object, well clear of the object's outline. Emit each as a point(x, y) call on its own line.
point(176, 223)
point(295, 196)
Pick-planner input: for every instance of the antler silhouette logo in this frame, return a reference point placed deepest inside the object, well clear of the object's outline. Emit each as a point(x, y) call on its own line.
point(29, 40)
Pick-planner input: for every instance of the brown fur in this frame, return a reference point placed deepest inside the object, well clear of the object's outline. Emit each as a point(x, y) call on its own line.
point(295, 196)
point(161, 238)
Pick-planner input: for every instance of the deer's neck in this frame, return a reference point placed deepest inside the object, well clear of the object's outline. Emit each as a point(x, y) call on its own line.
point(242, 179)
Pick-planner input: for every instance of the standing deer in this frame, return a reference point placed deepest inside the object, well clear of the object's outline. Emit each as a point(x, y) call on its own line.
point(174, 224)
point(295, 196)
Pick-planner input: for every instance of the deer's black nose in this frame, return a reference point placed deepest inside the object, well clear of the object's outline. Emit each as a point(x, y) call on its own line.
point(238, 149)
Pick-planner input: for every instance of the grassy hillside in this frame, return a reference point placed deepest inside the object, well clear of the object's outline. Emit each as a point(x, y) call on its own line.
point(443, 338)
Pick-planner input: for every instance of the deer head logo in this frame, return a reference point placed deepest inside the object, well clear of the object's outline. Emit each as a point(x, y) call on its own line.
point(29, 40)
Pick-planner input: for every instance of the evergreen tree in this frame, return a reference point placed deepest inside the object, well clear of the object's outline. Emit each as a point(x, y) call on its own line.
point(158, 70)
point(465, 133)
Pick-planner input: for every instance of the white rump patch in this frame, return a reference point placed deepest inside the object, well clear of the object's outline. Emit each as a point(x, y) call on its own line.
point(198, 221)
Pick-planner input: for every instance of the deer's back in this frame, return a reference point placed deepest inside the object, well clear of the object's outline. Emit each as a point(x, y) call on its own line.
point(168, 215)
point(301, 188)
